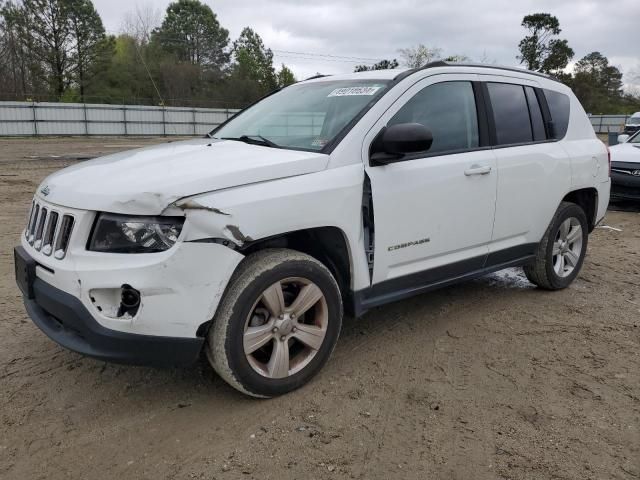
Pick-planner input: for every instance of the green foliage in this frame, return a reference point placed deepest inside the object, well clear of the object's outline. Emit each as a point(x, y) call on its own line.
point(598, 85)
point(44, 31)
point(62, 44)
point(191, 32)
point(541, 51)
point(285, 76)
point(93, 48)
point(381, 65)
point(253, 61)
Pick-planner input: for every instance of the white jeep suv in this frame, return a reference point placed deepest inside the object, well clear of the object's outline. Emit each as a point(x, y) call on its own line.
point(336, 193)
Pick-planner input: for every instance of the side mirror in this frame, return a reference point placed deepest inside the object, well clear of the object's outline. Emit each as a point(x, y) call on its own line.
point(623, 138)
point(396, 141)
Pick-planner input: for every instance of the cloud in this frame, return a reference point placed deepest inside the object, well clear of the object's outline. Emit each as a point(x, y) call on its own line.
point(376, 29)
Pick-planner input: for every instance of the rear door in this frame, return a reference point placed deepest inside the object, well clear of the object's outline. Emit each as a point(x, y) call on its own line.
point(434, 211)
point(534, 171)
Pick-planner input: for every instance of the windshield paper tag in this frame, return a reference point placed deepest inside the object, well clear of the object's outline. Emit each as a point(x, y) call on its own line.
point(352, 91)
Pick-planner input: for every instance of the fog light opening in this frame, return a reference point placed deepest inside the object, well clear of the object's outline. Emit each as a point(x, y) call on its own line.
point(129, 301)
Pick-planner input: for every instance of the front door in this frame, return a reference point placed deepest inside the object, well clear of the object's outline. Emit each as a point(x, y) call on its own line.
point(434, 211)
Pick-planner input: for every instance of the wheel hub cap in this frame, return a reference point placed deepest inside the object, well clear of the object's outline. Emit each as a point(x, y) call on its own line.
point(285, 325)
point(285, 328)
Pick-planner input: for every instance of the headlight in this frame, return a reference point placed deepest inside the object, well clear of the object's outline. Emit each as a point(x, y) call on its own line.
point(127, 234)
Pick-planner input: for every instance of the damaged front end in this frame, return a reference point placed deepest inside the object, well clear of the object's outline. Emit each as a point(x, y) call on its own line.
point(206, 222)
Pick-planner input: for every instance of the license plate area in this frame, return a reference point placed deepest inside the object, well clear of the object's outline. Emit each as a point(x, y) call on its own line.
point(25, 268)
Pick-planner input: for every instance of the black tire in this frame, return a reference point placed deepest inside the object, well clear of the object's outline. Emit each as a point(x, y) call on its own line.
point(541, 272)
point(256, 273)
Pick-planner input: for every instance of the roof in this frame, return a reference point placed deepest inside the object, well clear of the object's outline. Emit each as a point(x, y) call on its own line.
point(398, 74)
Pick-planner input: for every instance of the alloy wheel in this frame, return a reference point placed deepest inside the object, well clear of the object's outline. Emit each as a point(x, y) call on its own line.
point(567, 247)
point(286, 327)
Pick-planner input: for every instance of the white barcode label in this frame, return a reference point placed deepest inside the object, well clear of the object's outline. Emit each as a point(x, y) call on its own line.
point(353, 91)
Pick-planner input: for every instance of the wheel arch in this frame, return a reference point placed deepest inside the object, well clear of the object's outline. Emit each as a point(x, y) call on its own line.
point(328, 245)
point(587, 199)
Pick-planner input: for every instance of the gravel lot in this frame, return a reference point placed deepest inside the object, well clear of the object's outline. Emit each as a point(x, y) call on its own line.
point(490, 379)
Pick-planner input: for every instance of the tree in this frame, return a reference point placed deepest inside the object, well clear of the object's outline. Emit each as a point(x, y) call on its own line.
point(285, 76)
point(141, 22)
point(541, 50)
point(458, 59)
point(254, 61)
point(596, 83)
point(15, 76)
point(92, 46)
point(381, 65)
point(419, 56)
point(190, 31)
point(43, 30)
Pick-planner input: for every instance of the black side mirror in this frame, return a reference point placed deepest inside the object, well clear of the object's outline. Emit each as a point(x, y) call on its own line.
point(396, 141)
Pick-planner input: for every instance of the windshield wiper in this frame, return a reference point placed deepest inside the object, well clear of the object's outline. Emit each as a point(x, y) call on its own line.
point(254, 140)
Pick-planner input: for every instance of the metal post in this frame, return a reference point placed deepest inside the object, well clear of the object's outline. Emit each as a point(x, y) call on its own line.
point(124, 115)
point(35, 120)
point(86, 123)
point(164, 121)
point(195, 131)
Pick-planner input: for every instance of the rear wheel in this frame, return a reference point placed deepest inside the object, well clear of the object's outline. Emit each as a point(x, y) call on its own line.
point(562, 250)
point(277, 324)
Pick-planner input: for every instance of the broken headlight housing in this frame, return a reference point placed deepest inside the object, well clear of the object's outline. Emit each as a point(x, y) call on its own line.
point(128, 234)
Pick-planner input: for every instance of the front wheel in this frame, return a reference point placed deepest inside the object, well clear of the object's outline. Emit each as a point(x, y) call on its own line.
point(277, 323)
point(562, 250)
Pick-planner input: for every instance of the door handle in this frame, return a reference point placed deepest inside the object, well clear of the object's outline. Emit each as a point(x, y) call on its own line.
point(477, 170)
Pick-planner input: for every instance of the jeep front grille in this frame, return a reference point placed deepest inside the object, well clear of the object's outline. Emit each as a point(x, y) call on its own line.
point(49, 230)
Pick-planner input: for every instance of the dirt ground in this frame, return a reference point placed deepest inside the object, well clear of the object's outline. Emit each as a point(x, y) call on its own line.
point(492, 379)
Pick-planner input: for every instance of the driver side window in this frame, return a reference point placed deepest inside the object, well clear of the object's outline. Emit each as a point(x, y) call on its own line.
point(448, 109)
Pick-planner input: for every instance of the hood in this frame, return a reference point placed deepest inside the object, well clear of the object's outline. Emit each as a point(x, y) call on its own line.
point(145, 181)
point(625, 152)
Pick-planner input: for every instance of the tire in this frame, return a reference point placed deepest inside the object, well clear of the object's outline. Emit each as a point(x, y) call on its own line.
point(549, 271)
point(258, 311)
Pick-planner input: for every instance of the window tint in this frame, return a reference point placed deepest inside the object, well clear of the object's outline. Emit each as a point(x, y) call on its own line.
point(559, 108)
point(537, 122)
point(510, 113)
point(447, 109)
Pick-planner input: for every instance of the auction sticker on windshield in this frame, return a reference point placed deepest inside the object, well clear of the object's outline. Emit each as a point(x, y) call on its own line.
point(352, 91)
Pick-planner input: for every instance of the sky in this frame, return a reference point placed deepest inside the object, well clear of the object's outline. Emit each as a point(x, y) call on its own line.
point(332, 36)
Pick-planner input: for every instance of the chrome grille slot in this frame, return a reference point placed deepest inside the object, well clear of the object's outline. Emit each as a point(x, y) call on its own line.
point(49, 229)
point(29, 219)
point(42, 221)
point(32, 225)
point(62, 239)
point(49, 234)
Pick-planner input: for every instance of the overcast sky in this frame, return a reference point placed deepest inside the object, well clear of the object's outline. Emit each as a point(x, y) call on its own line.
point(376, 29)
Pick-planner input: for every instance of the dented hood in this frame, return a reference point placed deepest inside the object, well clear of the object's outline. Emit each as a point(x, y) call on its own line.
point(147, 180)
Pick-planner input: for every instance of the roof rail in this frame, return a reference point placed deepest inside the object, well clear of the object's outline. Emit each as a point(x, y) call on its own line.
point(443, 63)
point(315, 76)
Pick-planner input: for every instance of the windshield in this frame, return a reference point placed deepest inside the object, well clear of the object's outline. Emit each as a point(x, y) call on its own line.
point(305, 116)
point(635, 138)
point(635, 120)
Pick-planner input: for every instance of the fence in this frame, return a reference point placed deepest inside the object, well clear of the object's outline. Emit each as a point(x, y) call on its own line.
point(34, 118)
point(44, 118)
point(608, 123)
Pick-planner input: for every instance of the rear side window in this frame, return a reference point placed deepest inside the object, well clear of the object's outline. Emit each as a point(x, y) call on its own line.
point(448, 109)
point(537, 121)
point(510, 113)
point(559, 109)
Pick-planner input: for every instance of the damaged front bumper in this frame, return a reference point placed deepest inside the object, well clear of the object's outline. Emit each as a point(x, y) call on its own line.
point(76, 301)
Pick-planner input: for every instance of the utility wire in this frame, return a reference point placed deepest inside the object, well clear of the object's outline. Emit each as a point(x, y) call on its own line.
point(315, 56)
